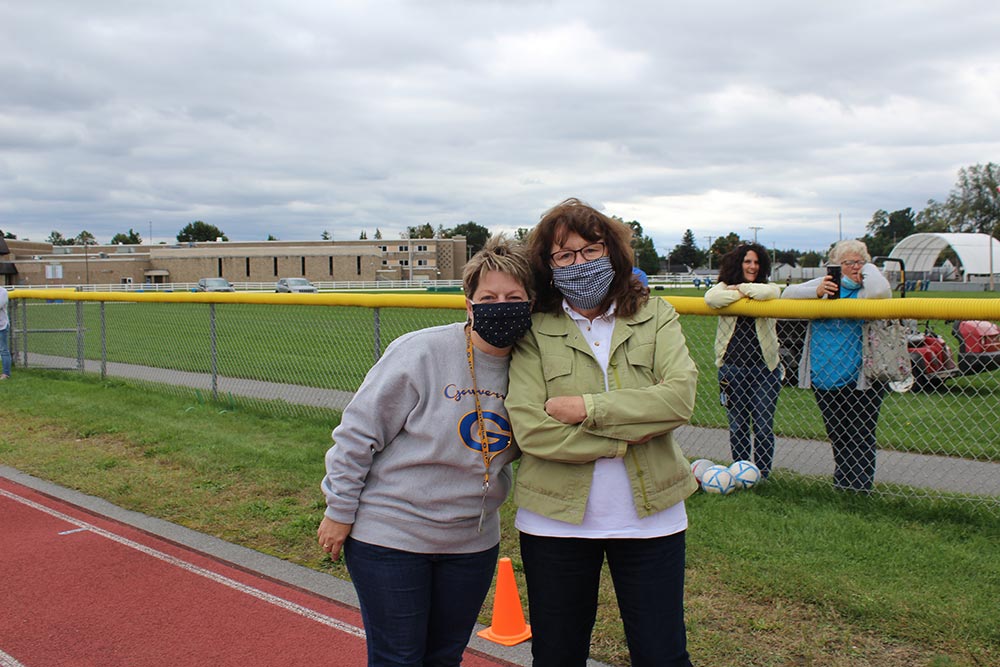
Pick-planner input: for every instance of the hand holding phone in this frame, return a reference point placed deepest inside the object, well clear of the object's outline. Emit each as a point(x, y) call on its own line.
point(834, 272)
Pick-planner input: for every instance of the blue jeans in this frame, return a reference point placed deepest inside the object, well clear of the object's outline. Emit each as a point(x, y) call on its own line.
point(563, 576)
point(851, 417)
point(5, 351)
point(751, 400)
point(418, 609)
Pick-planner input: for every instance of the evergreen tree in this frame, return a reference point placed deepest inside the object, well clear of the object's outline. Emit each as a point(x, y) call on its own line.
point(85, 238)
point(686, 252)
point(126, 239)
point(200, 231)
point(56, 238)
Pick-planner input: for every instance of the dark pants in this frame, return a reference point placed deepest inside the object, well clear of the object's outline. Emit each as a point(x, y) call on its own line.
point(5, 351)
point(563, 577)
point(850, 417)
point(418, 609)
point(751, 399)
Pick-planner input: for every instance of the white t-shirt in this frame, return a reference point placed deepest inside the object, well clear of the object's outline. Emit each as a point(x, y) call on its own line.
point(4, 321)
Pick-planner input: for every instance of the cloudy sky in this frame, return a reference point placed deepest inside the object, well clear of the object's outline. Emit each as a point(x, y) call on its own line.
point(294, 118)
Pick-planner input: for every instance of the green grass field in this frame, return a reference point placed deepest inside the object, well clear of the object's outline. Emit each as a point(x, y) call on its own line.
point(333, 348)
point(785, 574)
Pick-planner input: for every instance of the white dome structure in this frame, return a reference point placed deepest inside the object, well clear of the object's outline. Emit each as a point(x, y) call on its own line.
point(921, 251)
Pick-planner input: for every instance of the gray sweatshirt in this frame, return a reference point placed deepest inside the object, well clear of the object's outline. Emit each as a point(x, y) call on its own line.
point(406, 468)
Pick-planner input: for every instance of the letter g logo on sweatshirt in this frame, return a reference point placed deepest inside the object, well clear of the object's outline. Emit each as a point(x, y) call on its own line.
point(498, 432)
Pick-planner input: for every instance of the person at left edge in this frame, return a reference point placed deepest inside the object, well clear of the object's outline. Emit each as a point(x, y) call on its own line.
point(411, 495)
point(4, 336)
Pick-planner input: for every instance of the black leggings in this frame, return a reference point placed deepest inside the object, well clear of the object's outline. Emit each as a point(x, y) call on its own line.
point(850, 417)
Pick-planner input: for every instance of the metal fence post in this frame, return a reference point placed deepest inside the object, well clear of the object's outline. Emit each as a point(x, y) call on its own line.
point(104, 345)
point(24, 333)
point(215, 361)
point(79, 336)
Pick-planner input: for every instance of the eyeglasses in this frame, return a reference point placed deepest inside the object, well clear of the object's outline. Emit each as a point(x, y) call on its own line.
point(589, 254)
point(854, 262)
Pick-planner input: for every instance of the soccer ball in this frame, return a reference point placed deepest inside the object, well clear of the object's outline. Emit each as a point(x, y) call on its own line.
point(745, 474)
point(718, 479)
point(699, 467)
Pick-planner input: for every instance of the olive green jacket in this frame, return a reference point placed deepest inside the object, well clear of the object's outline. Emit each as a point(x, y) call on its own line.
point(652, 381)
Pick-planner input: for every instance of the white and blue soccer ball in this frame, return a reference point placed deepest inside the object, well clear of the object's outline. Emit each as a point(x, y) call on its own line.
point(718, 479)
point(699, 467)
point(745, 474)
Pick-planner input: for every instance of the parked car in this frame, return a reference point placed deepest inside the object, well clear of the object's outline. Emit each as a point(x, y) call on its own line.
point(295, 285)
point(932, 359)
point(215, 285)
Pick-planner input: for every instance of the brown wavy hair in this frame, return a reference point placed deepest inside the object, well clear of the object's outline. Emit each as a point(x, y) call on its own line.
point(573, 215)
point(731, 267)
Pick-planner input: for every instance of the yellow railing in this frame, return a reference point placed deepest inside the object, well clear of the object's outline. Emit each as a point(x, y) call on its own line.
point(870, 309)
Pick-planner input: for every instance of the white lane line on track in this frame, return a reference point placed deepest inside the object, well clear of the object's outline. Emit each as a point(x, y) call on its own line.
point(70, 532)
point(9, 661)
point(194, 569)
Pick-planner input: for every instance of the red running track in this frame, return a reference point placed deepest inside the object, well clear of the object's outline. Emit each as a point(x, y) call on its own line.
point(78, 590)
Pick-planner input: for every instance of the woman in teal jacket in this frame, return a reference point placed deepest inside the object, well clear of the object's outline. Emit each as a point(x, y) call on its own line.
point(596, 389)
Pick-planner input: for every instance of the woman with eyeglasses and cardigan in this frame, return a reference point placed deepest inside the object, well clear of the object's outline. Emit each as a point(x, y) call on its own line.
point(832, 365)
point(746, 354)
point(597, 387)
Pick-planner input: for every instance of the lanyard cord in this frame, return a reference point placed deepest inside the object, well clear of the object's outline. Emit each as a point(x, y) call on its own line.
point(484, 444)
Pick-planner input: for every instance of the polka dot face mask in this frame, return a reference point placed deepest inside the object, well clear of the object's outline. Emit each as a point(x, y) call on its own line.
point(501, 324)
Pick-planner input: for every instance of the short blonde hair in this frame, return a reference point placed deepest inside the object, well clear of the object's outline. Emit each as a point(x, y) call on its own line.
point(848, 247)
point(499, 254)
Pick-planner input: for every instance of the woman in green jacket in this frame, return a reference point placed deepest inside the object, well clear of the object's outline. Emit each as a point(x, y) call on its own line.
point(596, 389)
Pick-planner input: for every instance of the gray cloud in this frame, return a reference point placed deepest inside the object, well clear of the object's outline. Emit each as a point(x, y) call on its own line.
point(269, 118)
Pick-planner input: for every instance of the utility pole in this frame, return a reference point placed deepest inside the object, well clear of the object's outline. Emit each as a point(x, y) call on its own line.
point(150, 232)
point(709, 251)
point(755, 232)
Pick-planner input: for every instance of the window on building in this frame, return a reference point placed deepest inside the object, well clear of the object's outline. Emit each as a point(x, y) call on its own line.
point(358, 258)
point(404, 262)
point(303, 266)
point(275, 266)
point(421, 262)
point(248, 267)
point(421, 248)
point(220, 266)
point(404, 248)
point(331, 266)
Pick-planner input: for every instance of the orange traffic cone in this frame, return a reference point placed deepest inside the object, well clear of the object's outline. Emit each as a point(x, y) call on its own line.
point(508, 626)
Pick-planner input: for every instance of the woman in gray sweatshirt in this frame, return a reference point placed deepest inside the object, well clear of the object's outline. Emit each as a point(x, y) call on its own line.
point(412, 497)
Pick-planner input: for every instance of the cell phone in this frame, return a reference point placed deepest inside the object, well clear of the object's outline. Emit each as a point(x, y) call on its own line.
point(834, 270)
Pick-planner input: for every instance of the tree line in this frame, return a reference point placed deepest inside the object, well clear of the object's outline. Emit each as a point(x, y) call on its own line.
point(973, 205)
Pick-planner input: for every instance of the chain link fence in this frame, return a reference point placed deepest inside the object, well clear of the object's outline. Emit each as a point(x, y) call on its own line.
point(307, 354)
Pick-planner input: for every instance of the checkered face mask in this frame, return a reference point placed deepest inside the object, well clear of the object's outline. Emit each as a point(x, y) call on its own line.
point(585, 285)
point(501, 324)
